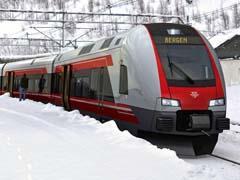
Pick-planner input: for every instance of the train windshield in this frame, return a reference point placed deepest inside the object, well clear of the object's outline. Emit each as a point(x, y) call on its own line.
point(184, 57)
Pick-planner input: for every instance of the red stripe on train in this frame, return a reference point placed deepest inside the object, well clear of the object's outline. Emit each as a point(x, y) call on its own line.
point(104, 108)
point(161, 74)
point(88, 64)
point(30, 71)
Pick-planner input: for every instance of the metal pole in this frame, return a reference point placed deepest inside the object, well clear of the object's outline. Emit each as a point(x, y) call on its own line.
point(63, 30)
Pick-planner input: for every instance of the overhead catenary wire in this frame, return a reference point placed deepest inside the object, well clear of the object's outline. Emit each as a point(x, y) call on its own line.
point(215, 11)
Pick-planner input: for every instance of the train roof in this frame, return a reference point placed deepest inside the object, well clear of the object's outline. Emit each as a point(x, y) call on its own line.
point(95, 47)
point(113, 41)
point(36, 62)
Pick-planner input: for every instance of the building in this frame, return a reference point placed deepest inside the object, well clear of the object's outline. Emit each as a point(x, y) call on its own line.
point(227, 46)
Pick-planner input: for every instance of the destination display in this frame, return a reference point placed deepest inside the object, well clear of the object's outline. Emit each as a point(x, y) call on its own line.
point(177, 40)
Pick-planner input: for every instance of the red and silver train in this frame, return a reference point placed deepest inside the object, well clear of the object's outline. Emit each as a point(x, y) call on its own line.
point(162, 78)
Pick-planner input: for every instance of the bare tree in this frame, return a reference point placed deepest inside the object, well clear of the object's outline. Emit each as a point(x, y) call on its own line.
point(225, 20)
point(236, 19)
point(90, 5)
point(141, 6)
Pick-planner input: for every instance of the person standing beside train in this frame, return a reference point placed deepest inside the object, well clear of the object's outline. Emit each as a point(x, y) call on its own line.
point(23, 87)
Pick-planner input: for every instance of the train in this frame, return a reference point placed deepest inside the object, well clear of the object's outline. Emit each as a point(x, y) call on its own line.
point(162, 78)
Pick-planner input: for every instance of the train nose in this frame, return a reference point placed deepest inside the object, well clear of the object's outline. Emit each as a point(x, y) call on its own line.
point(190, 98)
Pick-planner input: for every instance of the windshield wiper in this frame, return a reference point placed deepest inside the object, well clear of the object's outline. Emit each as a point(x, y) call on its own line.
point(170, 64)
point(179, 71)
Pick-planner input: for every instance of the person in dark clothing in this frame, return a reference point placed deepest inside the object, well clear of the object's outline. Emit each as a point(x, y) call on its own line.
point(41, 84)
point(23, 87)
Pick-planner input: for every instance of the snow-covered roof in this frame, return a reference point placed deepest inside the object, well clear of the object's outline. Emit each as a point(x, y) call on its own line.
point(31, 63)
point(223, 37)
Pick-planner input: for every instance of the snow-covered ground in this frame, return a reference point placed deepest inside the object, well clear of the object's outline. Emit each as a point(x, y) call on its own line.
point(229, 142)
point(44, 142)
point(233, 103)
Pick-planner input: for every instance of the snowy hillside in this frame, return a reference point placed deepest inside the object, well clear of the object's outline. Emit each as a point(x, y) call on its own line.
point(39, 141)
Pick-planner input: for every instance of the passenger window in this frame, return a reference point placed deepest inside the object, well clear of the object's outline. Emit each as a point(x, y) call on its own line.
point(107, 87)
point(16, 83)
point(80, 84)
point(57, 83)
point(5, 83)
point(86, 83)
point(123, 84)
point(95, 83)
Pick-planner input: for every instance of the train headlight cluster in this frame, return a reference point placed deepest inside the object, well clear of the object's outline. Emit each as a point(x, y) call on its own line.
point(170, 102)
point(217, 102)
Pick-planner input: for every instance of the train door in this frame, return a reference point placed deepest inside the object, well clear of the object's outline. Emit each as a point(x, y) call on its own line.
point(9, 83)
point(95, 91)
point(101, 94)
point(106, 99)
point(66, 86)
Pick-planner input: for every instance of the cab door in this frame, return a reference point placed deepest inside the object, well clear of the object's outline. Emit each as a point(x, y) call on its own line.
point(66, 86)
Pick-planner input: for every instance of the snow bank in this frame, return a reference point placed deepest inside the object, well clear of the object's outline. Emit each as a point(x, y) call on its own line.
point(231, 71)
point(42, 141)
point(233, 103)
point(66, 145)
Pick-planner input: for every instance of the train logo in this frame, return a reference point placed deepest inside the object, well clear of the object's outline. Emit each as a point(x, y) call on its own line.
point(194, 94)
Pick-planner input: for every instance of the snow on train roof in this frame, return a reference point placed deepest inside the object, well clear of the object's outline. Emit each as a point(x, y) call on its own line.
point(30, 63)
point(223, 36)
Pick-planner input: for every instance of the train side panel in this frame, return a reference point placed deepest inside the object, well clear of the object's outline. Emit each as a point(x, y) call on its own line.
point(34, 69)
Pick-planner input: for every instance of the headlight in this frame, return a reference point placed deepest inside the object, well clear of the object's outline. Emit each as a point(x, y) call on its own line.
point(170, 102)
point(217, 102)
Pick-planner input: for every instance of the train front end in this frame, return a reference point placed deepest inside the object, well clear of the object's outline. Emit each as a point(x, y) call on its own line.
point(193, 98)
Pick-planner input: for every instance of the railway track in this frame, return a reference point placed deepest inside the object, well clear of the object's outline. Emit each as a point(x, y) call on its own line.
point(236, 124)
point(225, 159)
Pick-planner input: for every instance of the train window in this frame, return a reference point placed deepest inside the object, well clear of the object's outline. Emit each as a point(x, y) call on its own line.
point(106, 43)
point(95, 83)
point(57, 83)
point(186, 65)
point(31, 83)
point(16, 83)
point(86, 49)
point(118, 41)
point(107, 92)
point(34, 83)
point(183, 55)
point(86, 83)
point(80, 84)
point(123, 84)
point(5, 83)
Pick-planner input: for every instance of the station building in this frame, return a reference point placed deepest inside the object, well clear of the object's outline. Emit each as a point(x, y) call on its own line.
point(227, 47)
